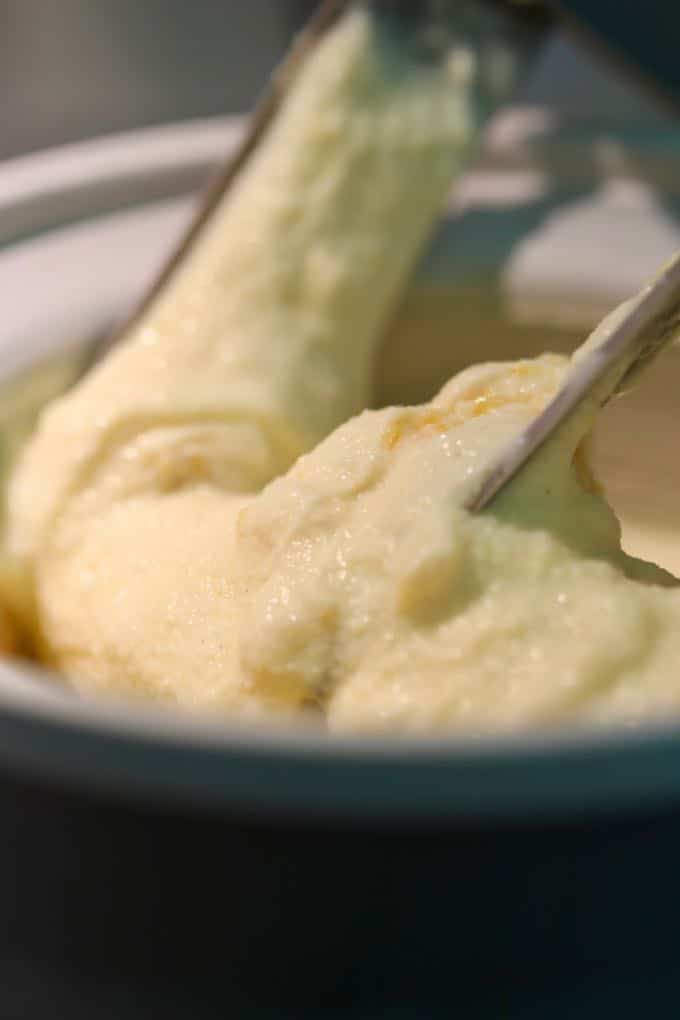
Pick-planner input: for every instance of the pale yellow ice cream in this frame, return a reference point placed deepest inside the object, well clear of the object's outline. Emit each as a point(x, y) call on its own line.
point(263, 341)
point(187, 530)
point(373, 593)
point(356, 585)
point(260, 345)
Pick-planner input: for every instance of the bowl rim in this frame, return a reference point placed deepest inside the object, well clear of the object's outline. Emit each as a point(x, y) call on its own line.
point(166, 757)
point(161, 755)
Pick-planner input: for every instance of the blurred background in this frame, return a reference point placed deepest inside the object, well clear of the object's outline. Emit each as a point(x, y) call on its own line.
point(71, 69)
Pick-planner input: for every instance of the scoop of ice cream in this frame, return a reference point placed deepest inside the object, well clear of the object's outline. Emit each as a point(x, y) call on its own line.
point(374, 595)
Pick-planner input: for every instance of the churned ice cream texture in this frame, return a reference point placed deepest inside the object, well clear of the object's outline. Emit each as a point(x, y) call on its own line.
point(195, 527)
point(261, 343)
point(372, 593)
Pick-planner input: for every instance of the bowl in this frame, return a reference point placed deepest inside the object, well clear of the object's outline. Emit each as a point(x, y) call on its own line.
point(153, 855)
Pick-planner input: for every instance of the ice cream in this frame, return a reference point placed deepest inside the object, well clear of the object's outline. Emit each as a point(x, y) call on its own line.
point(263, 340)
point(261, 343)
point(374, 594)
point(357, 587)
point(211, 518)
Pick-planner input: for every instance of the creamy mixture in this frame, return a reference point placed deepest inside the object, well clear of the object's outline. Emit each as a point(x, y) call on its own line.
point(194, 523)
